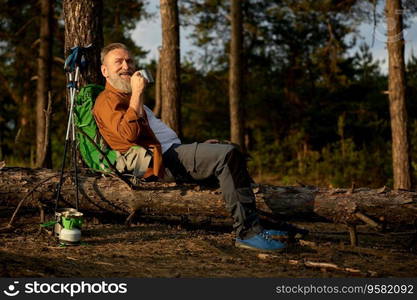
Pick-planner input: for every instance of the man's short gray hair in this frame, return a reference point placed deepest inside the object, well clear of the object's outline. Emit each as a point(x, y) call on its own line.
point(111, 47)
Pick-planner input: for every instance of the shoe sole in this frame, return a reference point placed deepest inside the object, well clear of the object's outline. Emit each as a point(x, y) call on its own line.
point(243, 246)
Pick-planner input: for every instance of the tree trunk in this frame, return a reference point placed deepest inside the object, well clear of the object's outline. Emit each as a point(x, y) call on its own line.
point(168, 200)
point(84, 26)
point(158, 84)
point(397, 86)
point(235, 75)
point(171, 94)
point(43, 84)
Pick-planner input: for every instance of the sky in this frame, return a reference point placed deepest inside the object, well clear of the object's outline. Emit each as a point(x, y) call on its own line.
point(148, 35)
point(378, 44)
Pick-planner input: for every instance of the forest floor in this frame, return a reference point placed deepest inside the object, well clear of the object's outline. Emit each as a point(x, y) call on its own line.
point(163, 250)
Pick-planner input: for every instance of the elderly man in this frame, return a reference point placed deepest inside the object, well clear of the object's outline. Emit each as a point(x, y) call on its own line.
point(124, 121)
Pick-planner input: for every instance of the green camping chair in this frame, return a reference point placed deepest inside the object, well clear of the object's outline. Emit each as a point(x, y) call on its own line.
point(92, 146)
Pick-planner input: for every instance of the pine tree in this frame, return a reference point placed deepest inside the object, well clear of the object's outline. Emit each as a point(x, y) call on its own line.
point(84, 27)
point(170, 69)
point(235, 74)
point(397, 94)
point(43, 84)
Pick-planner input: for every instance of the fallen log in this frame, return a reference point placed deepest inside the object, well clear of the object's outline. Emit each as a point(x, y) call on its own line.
point(110, 194)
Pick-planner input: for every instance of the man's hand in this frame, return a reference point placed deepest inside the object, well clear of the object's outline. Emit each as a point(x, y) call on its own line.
point(138, 84)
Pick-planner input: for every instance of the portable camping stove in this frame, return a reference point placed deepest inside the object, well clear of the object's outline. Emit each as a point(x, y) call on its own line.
point(68, 222)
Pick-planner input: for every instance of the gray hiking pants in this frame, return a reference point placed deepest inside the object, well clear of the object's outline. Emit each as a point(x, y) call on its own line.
point(199, 161)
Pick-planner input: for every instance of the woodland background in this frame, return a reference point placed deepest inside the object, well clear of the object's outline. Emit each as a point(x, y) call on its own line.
point(312, 112)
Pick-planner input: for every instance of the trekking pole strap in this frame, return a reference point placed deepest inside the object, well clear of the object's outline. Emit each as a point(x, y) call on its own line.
point(77, 57)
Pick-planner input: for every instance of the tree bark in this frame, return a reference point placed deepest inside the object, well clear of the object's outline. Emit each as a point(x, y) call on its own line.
point(84, 26)
point(235, 75)
point(43, 84)
point(397, 86)
point(158, 83)
point(169, 200)
point(171, 93)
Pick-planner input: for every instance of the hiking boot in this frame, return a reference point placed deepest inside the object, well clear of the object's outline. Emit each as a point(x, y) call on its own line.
point(276, 234)
point(260, 242)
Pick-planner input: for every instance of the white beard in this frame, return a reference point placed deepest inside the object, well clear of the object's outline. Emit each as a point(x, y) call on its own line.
point(119, 83)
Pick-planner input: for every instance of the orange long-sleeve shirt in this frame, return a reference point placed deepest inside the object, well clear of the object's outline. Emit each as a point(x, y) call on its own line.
point(122, 128)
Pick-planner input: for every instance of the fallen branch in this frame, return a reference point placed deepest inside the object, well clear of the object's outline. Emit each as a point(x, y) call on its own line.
point(10, 224)
point(330, 266)
point(367, 220)
point(326, 266)
point(201, 203)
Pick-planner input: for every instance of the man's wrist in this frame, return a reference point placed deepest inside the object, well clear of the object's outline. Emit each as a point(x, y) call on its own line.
point(136, 102)
point(137, 93)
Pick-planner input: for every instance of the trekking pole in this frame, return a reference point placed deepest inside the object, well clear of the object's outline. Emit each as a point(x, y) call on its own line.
point(61, 176)
point(74, 140)
point(73, 64)
point(68, 138)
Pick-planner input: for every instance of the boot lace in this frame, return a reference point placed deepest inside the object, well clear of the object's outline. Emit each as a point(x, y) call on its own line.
point(266, 237)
